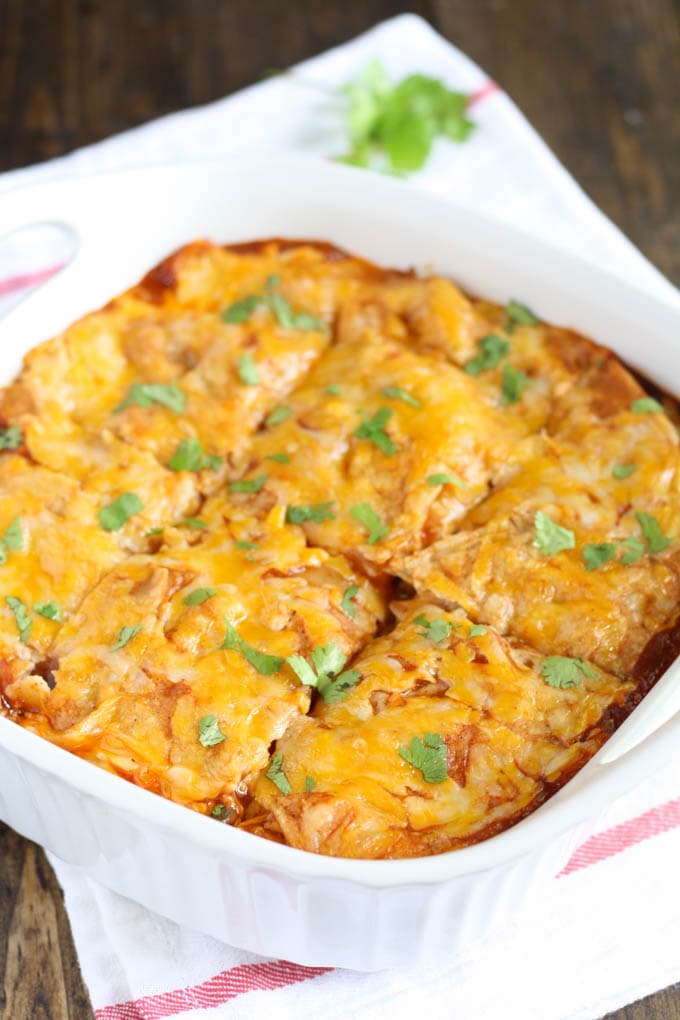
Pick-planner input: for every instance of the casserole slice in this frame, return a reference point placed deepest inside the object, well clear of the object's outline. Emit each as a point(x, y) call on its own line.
point(452, 733)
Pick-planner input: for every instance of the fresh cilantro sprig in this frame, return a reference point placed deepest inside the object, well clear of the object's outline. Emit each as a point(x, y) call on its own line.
point(373, 430)
point(263, 663)
point(647, 405)
point(317, 512)
point(366, 515)
point(550, 537)
point(113, 516)
point(347, 604)
point(513, 384)
point(125, 635)
point(445, 478)
point(50, 610)
point(21, 617)
point(392, 126)
point(563, 672)
point(12, 540)
point(277, 776)
point(324, 673)
point(518, 314)
point(492, 350)
point(11, 438)
point(145, 394)
point(209, 732)
point(396, 393)
point(198, 596)
point(428, 755)
point(652, 533)
point(248, 484)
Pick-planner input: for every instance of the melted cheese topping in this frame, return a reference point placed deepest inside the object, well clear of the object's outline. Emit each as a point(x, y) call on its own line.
point(222, 478)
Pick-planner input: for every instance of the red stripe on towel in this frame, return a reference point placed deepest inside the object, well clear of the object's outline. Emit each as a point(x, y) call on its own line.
point(229, 984)
point(11, 284)
point(613, 841)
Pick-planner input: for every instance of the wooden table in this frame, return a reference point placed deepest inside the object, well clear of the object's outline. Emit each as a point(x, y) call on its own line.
point(600, 80)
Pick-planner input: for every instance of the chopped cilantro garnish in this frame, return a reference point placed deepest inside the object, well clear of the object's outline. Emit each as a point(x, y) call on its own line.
point(277, 776)
point(125, 634)
point(263, 663)
point(241, 310)
point(654, 536)
point(347, 604)
point(513, 384)
point(334, 390)
point(623, 470)
point(278, 415)
point(318, 512)
point(280, 458)
point(324, 673)
point(21, 617)
point(280, 307)
point(194, 522)
point(436, 630)
point(396, 393)
point(209, 732)
point(152, 532)
point(198, 596)
point(392, 126)
point(518, 314)
point(551, 538)
point(114, 516)
point(146, 394)
point(222, 813)
point(428, 755)
point(477, 630)
point(563, 672)
point(646, 405)
point(12, 540)
point(248, 484)
point(242, 543)
point(444, 478)
point(11, 438)
point(492, 350)
point(597, 554)
point(189, 456)
point(247, 370)
point(634, 547)
point(373, 430)
point(50, 610)
point(366, 515)
point(310, 783)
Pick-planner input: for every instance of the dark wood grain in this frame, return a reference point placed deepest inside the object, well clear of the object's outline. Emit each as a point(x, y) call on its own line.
point(600, 79)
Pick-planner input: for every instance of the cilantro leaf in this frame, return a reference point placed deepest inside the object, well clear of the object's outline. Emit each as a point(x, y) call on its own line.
point(373, 431)
point(241, 310)
point(436, 630)
point(278, 415)
point(634, 550)
point(646, 405)
point(477, 630)
point(513, 384)
point(428, 755)
point(518, 314)
point(654, 536)
point(12, 540)
point(277, 776)
point(50, 610)
point(247, 370)
point(145, 394)
point(444, 478)
point(334, 390)
point(396, 393)
point(115, 515)
point(347, 604)
point(318, 512)
point(310, 783)
point(393, 127)
point(324, 672)
point(366, 515)
point(222, 813)
point(280, 458)
point(492, 350)
point(263, 663)
point(189, 456)
point(198, 596)
point(194, 522)
point(563, 672)
point(11, 438)
point(21, 617)
point(597, 554)
point(125, 634)
point(248, 484)
point(623, 470)
point(209, 732)
point(243, 543)
point(551, 538)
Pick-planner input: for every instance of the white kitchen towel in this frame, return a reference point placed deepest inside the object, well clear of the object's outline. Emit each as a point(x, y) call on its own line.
point(609, 929)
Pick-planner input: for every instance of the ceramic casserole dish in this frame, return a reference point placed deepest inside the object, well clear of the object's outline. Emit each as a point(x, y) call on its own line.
point(260, 895)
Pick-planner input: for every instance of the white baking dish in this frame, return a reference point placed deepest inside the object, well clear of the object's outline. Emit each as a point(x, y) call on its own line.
point(254, 894)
